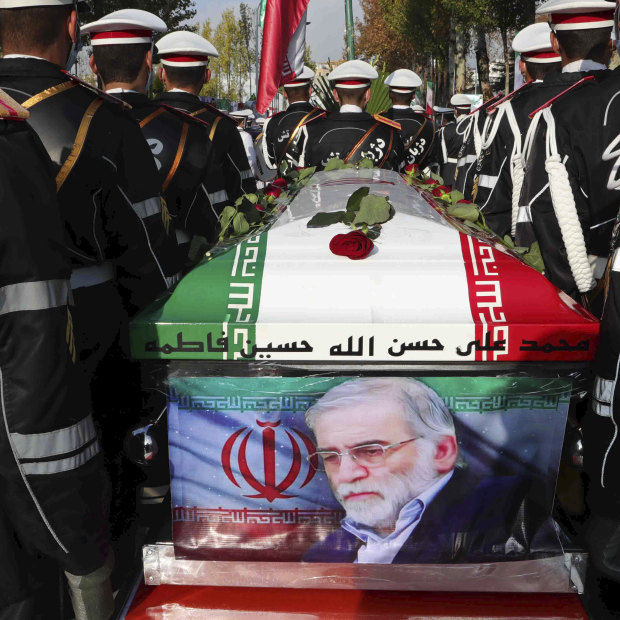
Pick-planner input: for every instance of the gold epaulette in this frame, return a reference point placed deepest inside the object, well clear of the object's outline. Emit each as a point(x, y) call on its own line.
point(10, 110)
point(564, 92)
point(98, 91)
point(387, 121)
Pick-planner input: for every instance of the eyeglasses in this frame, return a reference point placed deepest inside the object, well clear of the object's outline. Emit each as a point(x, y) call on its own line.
point(368, 455)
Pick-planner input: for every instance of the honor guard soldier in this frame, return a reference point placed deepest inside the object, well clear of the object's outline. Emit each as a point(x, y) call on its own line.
point(351, 134)
point(123, 59)
point(54, 491)
point(243, 117)
point(282, 132)
point(417, 131)
point(451, 137)
point(566, 203)
point(184, 71)
point(499, 171)
point(107, 183)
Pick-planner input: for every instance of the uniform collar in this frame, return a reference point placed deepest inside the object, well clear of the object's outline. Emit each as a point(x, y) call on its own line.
point(9, 56)
point(116, 91)
point(583, 65)
point(30, 67)
point(350, 108)
point(401, 107)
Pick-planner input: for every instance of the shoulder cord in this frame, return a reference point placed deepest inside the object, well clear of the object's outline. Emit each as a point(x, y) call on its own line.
point(477, 137)
point(264, 146)
point(566, 211)
point(516, 166)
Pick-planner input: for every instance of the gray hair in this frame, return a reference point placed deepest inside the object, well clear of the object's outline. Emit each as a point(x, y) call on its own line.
point(425, 411)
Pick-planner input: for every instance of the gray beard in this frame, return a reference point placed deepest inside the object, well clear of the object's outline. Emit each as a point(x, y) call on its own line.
point(396, 490)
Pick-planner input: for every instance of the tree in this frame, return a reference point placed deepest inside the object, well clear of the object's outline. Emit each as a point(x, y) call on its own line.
point(231, 63)
point(308, 58)
point(246, 31)
point(173, 12)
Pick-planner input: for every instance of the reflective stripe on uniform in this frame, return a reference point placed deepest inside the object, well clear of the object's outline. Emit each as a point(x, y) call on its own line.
point(598, 264)
point(469, 159)
point(452, 160)
point(148, 207)
point(182, 236)
point(53, 443)
point(39, 468)
point(485, 180)
point(602, 396)
point(91, 276)
point(246, 174)
point(217, 197)
point(41, 295)
point(615, 263)
point(524, 215)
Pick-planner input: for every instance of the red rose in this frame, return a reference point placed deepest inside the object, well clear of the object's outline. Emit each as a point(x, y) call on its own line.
point(440, 190)
point(354, 245)
point(411, 168)
point(466, 202)
point(273, 191)
point(259, 207)
point(431, 182)
point(281, 183)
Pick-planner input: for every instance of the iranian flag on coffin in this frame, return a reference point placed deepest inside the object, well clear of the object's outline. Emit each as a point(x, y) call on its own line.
point(428, 292)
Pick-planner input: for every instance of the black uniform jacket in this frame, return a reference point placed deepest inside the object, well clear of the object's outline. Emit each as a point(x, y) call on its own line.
point(108, 188)
point(353, 135)
point(470, 520)
point(417, 134)
point(586, 123)
point(51, 476)
point(450, 142)
point(494, 178)
point(184, 156)
point(231, 177)
point(277, 144)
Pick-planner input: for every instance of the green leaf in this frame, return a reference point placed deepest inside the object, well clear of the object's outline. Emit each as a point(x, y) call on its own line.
point(348, 217)
point(534, 258)
point(455, 196)
point(365, 163)
point(253, 216)
point(374, 232)
point(226, 217)
point(240, 224)
point(373, 210)
point(467, 212)
point(508, 242)
point(306, 172)
point(323, 219)
point(253, 198)
point(353, 204)
point(334, 164)
point(436, 177)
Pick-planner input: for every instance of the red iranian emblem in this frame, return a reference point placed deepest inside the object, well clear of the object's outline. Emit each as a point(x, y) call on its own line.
point(270, 489)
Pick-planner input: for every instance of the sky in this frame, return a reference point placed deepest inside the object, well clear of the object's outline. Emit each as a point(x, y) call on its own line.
point(325, 34)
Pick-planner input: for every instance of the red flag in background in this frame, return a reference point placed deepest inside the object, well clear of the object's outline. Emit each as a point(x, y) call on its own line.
point(284, 41)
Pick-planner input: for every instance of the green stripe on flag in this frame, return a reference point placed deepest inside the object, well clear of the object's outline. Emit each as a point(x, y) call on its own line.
point(263, 8)
point(211, 314)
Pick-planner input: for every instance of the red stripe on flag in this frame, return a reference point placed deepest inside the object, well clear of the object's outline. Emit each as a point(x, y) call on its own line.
point(282, 18)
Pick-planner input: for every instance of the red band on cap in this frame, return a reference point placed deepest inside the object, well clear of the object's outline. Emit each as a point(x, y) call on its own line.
point(354, 82)
point(581, 18)
point(540, 55)
point(195, 58)
point(121, 34)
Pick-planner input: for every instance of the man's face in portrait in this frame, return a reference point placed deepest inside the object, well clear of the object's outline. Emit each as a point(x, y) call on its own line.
point(379, 475)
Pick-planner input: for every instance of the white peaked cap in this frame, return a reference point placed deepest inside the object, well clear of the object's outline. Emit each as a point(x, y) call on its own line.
point(242, 113)
point(403, 81)
point(185, 49)
point(306, 76)
point(439, 110)
point(352, 74)
point(124, 27)
point(261, 120)
point(419, 108)
point(578, 14)
point(460, 101)
point(24, 4)
point(534, 44)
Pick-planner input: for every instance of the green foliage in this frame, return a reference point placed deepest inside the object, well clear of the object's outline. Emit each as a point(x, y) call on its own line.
point(379, 94)
point(323, 219)
point(324, 94)
point(373, 210)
